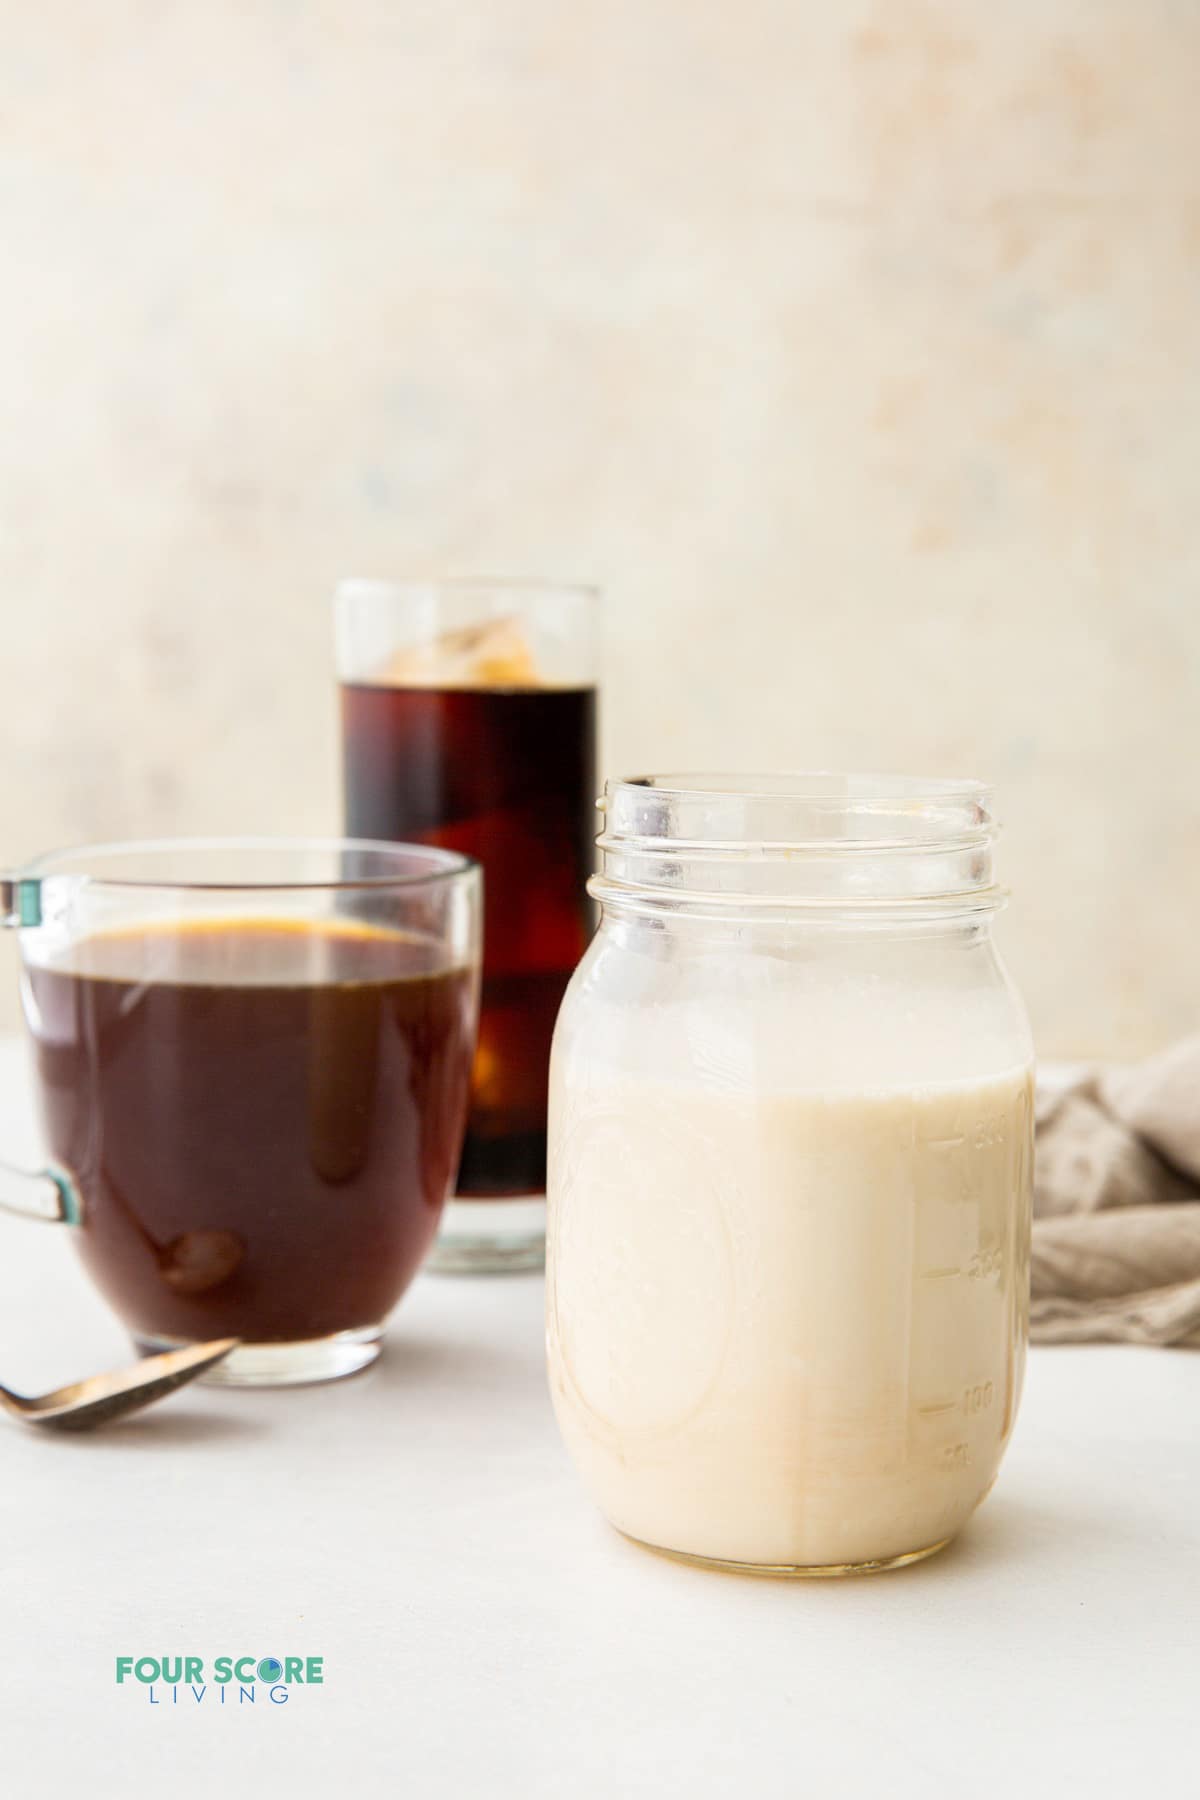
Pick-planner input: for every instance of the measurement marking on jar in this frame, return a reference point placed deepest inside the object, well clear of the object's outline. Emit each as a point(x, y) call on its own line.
point(938, 1406)
point(956, 1456)
point(939, 1274)
point(946, 1143)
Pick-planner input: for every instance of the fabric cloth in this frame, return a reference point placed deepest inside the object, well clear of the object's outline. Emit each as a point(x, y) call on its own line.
point(1116, 1233)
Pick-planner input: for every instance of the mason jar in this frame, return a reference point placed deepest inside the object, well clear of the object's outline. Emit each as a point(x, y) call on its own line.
point(790, 1164)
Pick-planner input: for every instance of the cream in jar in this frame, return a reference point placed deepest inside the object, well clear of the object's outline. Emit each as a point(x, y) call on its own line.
point(790, 1128)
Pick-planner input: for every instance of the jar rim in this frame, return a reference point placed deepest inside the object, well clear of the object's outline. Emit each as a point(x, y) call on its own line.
point(801, 839)
point(807, 784)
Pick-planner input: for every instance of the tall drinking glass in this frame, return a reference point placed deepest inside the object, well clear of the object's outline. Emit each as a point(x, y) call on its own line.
point(468, 721)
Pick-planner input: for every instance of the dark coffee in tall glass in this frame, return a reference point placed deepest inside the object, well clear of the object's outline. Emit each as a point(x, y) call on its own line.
point(505, 775)
point(463, 739)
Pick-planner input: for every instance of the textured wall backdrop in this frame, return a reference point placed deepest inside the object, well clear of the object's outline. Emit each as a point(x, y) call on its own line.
point(855, 349)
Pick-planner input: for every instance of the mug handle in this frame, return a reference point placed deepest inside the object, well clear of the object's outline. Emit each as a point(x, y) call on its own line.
point(20, 900)
point(48, 1194)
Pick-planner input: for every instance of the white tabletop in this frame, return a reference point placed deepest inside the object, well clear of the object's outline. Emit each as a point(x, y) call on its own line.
point(485, 1633)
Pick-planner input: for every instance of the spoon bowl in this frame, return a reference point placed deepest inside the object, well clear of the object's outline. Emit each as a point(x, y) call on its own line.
point(101, 1398)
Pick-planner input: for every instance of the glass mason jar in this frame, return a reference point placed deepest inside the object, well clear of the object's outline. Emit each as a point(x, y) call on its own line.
point(790, 1172)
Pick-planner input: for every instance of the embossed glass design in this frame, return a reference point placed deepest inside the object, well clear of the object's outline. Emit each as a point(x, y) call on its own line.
point(790, 1172)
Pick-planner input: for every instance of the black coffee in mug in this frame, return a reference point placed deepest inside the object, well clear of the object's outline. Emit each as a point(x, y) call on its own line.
point(258, 1115)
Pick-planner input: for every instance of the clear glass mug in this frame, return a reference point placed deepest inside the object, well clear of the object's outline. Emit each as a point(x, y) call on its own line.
point(791, 1138)
point(469, 721)
point(252, 1058)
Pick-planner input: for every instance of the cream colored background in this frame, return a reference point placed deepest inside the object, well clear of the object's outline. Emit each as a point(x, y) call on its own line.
point(855, 349)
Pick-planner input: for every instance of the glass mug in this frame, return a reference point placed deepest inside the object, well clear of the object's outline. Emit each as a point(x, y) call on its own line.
point(469, 721)
point(252, 1059)
point(791, 1137)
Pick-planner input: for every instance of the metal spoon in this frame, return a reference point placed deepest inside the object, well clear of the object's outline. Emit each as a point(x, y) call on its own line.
point(103, 1397)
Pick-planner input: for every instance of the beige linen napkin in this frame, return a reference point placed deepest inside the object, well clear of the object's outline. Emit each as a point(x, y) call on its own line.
point(1116, 1233)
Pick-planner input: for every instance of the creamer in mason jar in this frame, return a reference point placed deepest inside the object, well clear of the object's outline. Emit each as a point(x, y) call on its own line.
point(790, 1172)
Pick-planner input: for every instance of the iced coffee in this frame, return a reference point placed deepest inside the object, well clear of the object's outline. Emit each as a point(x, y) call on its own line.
point(480, 737)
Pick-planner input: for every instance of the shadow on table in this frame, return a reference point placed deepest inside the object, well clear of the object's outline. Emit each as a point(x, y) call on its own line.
point(426, 1361)
point(1016, 1533)
point(157, 1430)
